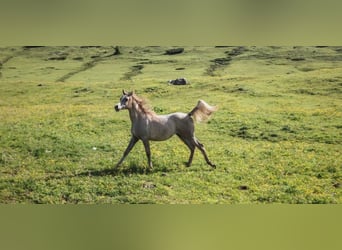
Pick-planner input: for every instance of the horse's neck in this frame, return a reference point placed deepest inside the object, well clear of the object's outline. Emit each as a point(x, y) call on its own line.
point(136, 114)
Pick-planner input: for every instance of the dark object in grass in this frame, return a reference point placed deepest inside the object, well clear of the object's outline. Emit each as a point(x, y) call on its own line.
point(243, 187)
point(337, 185)
point(178, 81)
point(32, 47)
point(57, 58)
point(297, 59)
point(174, 51)
point(116, 52)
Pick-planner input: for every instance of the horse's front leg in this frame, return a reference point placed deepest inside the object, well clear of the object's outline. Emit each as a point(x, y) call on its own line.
point(148, 152)
point(131, 144)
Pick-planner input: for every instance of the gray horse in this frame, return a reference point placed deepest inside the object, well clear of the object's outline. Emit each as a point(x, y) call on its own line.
point(147, 125)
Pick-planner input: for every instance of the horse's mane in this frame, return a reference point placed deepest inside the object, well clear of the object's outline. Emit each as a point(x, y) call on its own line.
point(143, 105)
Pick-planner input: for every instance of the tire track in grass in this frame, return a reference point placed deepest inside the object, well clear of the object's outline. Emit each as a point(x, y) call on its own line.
point(7, 59)
point(84, 67)
point(135, 70)
point(220, 63)
point(88, 65)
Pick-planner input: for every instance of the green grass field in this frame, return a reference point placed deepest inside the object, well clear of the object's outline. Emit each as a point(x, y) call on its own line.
point(276, 138)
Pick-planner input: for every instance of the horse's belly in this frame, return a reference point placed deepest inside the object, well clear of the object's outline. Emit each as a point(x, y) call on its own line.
point(161, 130)
point(161, 134)
point(164, 138)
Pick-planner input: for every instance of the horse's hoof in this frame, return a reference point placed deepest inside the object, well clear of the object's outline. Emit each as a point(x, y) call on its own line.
point(148, 170)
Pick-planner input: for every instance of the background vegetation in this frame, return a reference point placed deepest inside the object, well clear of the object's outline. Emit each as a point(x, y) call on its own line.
point(276, 138)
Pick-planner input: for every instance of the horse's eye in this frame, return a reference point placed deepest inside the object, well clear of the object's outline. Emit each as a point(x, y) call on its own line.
point(125, 99)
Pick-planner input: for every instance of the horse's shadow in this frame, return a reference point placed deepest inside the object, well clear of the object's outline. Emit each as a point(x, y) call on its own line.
point(136, 169)
point(131, 170)
point(100, 173)
point(128, 171)
point(97, 173)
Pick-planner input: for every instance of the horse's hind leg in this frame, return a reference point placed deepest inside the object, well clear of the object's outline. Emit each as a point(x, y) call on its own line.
point(191, 146)
point(201, 147)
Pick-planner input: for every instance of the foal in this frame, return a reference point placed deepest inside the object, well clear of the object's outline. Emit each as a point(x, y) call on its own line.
point(147, 125)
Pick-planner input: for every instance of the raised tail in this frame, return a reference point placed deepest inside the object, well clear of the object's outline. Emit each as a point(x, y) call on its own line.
point(202, 111)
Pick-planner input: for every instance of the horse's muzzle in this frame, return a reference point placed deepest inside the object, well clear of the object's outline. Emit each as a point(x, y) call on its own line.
point(116, 107)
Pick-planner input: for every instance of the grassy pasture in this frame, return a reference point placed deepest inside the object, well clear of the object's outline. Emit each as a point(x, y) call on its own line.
point(276, 138)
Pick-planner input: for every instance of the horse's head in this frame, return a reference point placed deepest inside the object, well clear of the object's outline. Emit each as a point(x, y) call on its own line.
point(125, 101)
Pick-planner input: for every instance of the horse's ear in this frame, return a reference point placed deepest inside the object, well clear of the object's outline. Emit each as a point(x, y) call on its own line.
point(130, 93)
point(124, 92)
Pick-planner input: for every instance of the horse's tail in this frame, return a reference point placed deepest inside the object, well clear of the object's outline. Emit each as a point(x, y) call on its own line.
point(202, 111)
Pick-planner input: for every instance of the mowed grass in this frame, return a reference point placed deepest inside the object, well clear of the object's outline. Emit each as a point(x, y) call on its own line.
point(276, 137)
